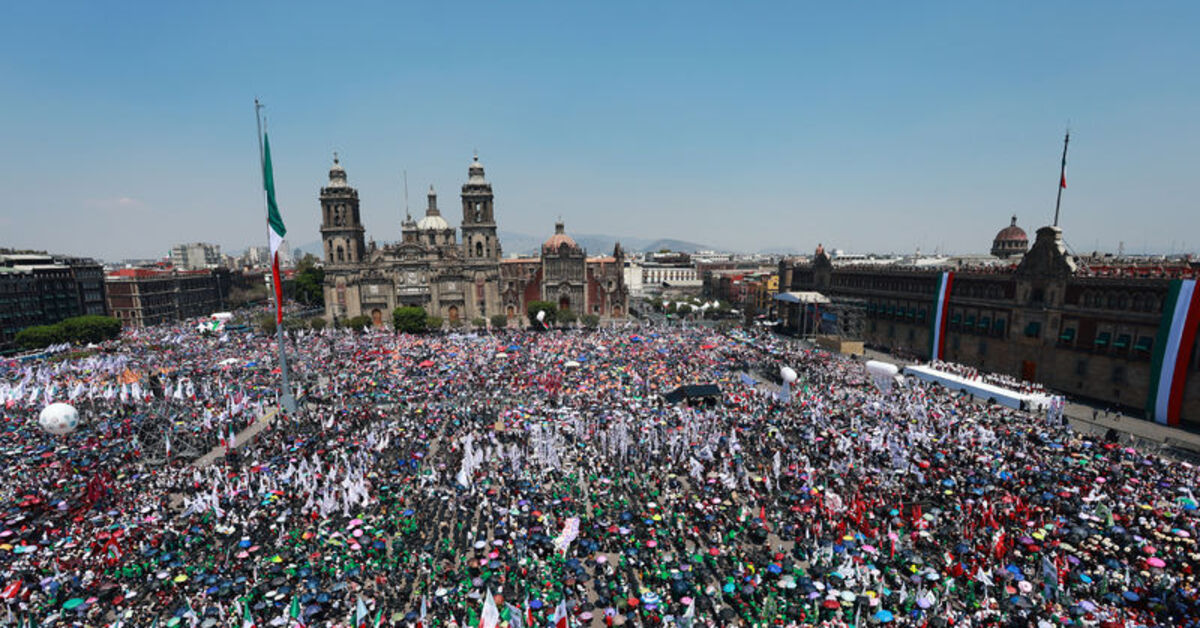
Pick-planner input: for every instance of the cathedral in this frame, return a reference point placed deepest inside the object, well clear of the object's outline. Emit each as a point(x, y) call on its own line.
point(458, 281)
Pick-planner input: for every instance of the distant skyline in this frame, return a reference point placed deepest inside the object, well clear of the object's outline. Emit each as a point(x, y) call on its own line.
point(129, 127)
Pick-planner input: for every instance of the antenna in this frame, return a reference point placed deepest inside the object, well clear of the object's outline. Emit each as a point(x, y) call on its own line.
point(407, 214)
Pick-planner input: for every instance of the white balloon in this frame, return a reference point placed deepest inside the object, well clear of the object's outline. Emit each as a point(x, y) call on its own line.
point(788, 374)
point(59, 418)
point(541, 315)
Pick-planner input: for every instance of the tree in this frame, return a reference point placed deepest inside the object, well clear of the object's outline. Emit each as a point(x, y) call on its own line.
point(433, 323)
point(684, 308)
point(591, 321)
point(40, 336)
point(479, 322)
point(90, 329)
point(266, 323)
point(360, 322)
point(317, 323)
point(294, 324)
point(566, 317)
point(310, 282)
point(541, 306)
point(499, 321)
point(409, 319)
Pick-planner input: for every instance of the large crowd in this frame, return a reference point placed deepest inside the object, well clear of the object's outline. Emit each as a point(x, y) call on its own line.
point(521, 476)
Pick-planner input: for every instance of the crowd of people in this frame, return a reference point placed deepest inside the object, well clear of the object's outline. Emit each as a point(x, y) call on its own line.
point(1003, 380)
point(524, 477)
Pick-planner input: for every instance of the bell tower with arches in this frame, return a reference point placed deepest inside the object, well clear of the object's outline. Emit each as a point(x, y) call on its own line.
point(342, 233)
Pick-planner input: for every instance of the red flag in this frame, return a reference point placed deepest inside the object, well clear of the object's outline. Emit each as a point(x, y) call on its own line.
point(1062, 183)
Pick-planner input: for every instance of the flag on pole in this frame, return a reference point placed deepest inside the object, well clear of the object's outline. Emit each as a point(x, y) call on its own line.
point(560, 615)
point(941, 310)
point(296, 615)
point(1062, 182)
point(528, 612)
point(247, 620)
point(490, 618)
point(360, 614)
point(1173, 351)
point(275, 229)
point(421, 619)
point(167, 441)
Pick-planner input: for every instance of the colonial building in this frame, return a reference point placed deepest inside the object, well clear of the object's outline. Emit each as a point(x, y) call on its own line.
point(140, 297)
point(1080, 328)
point(566, 276)
point(456, 280)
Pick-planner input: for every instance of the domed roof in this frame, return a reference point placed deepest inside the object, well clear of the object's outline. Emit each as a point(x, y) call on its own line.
point(475, 171)
point(559, 238)
point(337, 174)
point(1012, 233)
point(434, 222)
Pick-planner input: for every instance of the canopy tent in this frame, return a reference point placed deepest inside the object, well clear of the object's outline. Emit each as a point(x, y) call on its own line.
point(692, 391)
point(806, 297)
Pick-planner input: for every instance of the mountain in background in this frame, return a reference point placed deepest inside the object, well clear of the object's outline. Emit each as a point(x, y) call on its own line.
point(594, 243)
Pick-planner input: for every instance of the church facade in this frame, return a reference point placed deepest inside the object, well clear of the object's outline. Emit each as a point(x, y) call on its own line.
point(457, 280)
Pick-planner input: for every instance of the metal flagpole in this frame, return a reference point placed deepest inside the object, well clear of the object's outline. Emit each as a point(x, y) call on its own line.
point(1062, 176)
point(286, 400)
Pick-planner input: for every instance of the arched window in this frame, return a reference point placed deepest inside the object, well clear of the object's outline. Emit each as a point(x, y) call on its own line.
point(478, 249)
point(341, 254)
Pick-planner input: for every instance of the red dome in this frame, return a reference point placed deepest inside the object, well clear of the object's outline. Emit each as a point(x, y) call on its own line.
point(1010, 241)
point(559, 238)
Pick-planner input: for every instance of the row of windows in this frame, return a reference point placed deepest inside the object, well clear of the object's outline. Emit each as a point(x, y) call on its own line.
point(1134, 301)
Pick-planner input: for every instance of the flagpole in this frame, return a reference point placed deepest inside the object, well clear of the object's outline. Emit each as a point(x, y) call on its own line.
point(285, 394)
point(1062, 176)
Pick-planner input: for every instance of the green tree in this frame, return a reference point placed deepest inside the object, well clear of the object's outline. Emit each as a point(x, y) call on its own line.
point(409, 319)
point(317, 323)
point(361, 321)
point(293, 324)
point(266, 323)
point(310, 282)
point(591, 321)
point(479, 322)
point(90, 329)
point(40, 336)
point(433, 323)
point(541, 306)
point(499, 321)
point(566, 317)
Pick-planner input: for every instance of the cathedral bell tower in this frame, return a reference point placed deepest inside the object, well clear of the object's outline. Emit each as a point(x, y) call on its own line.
point(479, 223)
point(342, 233)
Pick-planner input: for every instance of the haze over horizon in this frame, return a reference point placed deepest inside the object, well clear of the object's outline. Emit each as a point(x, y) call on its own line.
point(130, 127)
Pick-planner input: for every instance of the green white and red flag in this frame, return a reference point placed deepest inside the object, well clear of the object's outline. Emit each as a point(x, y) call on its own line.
point(941, 312)
point(1173, 351)
point(275, 229)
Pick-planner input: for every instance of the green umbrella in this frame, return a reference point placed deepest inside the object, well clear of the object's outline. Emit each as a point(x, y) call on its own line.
point(72, 603)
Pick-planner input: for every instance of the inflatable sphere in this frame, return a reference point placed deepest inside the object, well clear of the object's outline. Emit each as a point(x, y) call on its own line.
point(58, 418)
point(788, 374)
point(541, 315)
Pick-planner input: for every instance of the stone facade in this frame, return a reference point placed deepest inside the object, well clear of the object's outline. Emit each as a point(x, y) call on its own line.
point(429, 267)
point(1087, 336)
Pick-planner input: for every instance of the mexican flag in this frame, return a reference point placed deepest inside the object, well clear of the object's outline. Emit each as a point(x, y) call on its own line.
point(275, 228)
point(247, 620)
point(295, 616)
point(941, 312)
point(561, 617)
point(1173, 351)
point(490, 618)
point(361, 616)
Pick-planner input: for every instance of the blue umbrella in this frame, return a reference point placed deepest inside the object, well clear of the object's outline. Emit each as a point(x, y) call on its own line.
point(883, 617)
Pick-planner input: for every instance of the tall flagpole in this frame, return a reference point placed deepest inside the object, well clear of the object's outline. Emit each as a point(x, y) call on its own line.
point(1062, 176)
point(286, 400)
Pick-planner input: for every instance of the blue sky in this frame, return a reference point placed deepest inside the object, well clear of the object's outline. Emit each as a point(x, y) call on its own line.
point(875, 127)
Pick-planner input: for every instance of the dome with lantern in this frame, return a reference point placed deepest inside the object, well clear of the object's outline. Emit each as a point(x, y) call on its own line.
point(1011, 241)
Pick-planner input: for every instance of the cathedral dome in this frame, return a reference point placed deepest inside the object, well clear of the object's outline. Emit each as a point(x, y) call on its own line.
point(432, 222)
point(559, 238)
point(1011, 240)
